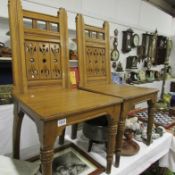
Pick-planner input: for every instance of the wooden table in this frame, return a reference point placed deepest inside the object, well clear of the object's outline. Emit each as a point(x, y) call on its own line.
point(53, 109)
point(131, 96)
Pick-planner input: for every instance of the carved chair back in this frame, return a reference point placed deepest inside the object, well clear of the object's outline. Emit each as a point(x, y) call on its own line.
point(93, 53)
point(39, 45)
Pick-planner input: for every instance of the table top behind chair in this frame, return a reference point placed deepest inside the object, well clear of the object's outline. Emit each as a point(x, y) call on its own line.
point(123, 91)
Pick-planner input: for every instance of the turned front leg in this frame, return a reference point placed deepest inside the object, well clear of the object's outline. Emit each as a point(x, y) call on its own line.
point(48, 133)
point(119, 138)
point(17, 122)
point(112, 128)
point(151, 111)
point(120, 133)
point(46, 157)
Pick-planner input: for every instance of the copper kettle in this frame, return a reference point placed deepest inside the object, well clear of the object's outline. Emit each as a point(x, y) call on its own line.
point(5, 51)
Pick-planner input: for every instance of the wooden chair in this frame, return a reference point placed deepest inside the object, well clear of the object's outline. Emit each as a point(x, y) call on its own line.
point(94, 68)
point(41, 81)
point(95, 76)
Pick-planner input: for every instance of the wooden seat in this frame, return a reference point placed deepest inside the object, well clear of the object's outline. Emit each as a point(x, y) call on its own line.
point(95, 76)
point(41, 83)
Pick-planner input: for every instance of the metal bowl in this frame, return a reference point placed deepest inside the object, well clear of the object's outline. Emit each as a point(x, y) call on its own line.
point(96, 129)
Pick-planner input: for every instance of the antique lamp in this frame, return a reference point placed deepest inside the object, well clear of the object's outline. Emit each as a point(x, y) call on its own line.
point(163, 102)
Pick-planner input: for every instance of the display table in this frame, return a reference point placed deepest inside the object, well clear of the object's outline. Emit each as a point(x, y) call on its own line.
point(163, 148)
point(133, 165)
point(131, 96)
point(168, 160)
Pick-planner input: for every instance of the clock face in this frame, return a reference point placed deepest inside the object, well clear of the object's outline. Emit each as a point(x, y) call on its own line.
point(115, 55)
point(135, 40)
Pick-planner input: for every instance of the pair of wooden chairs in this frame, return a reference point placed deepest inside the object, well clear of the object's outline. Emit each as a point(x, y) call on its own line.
point(41, 83)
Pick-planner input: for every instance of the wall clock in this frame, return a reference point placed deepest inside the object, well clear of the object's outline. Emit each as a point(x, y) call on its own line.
point(169, 46)
point(145, 44)
point(115, 53)
point(135, 40)
point(161, 50)
point(153, 47)
point(126, 43)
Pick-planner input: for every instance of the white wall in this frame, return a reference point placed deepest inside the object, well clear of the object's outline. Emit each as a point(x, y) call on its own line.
point(73, 5)
point(3, 8)
point(153, 18)
point(135, 13)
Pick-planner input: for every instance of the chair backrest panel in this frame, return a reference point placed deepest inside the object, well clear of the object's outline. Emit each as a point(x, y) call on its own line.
point(42, 46)
point(93, 53)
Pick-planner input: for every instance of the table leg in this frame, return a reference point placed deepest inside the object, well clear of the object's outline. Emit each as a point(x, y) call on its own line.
point(112, 128)
point(120, 133)
point(74, 131)
point(151, 111)
point(61, 138)
point(17, 122)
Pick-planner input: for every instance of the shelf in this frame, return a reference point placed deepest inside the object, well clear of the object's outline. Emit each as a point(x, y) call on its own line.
point(73, 63)
point(5, 58)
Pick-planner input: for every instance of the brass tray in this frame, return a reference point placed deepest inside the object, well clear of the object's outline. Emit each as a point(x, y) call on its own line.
point(129, 148)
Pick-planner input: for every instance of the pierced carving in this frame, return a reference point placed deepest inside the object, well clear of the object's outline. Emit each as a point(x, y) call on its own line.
point(89, 61)
point(44, 60)
point(44, 49)
point(55, 61)
point(55, 49)
point(31, 60)
point(31, 48)
point(103, 66)
point(95, 62)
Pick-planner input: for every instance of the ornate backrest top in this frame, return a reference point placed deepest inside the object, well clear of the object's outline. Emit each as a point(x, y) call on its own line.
point(39, 46)
point(93, 53)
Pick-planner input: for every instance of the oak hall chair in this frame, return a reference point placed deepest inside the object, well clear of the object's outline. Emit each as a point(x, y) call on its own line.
point(95, 76)
point(41, 86)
